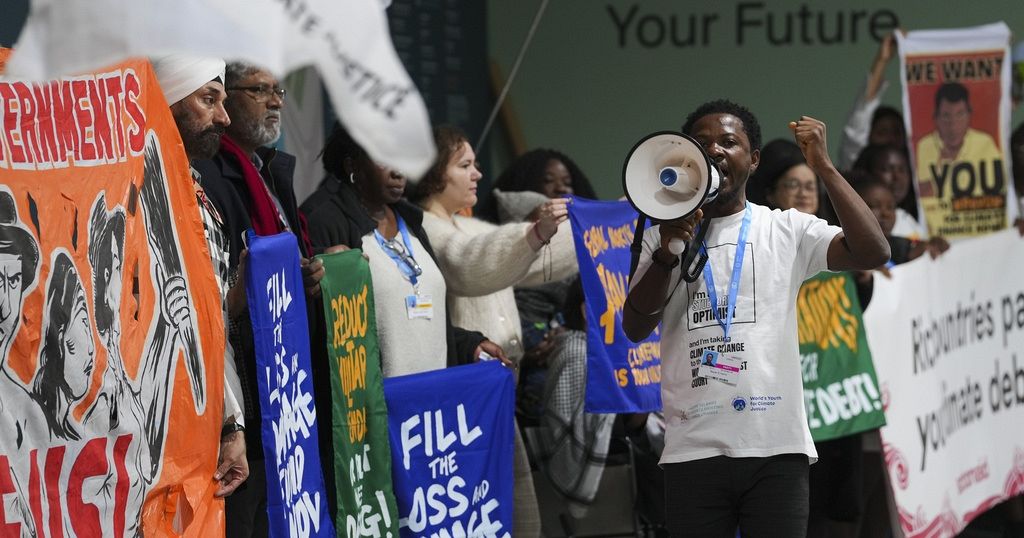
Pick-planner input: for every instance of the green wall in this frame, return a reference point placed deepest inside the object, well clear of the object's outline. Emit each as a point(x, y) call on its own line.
point(592, 84)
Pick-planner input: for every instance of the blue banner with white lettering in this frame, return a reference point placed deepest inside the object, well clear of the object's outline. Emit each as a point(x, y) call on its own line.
point(296, 499)
point(622, 377)
point(451, 443)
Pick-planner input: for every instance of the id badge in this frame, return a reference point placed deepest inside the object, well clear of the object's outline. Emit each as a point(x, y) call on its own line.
point(419, 306)
point(724, 368)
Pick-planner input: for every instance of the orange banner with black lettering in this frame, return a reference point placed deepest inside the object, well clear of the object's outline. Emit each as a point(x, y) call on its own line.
point(111, 328)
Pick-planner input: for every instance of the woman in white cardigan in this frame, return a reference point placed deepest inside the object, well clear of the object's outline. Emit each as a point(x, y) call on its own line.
point(481, 262)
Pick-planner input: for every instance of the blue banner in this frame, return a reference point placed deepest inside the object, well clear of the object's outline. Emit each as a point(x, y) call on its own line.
point(296, 499)
point(451, 436)
point(622, 377)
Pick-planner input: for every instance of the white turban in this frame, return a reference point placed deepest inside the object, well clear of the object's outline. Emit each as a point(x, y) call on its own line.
point(181, 74)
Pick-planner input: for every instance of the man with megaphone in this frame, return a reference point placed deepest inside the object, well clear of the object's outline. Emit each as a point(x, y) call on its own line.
point(737, 445)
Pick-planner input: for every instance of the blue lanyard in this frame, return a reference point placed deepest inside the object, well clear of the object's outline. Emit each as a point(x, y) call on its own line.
point(737, 272)
point(405, 266)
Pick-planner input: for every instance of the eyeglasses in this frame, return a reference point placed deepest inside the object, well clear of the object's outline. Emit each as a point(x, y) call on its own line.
point(398, 249)
point(793, 185)
point(261, 92)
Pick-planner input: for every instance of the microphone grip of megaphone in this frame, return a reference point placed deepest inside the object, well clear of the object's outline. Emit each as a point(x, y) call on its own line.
point(676, 246)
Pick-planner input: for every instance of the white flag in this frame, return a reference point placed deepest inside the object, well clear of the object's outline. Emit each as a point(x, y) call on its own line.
point(347, 40)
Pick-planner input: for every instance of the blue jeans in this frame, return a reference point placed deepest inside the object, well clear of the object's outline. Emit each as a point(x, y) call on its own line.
point(763, 497)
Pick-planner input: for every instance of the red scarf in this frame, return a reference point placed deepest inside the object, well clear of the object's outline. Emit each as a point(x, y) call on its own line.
point(263, 212)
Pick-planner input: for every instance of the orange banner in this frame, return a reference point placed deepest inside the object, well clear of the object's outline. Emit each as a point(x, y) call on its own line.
point(111, 331)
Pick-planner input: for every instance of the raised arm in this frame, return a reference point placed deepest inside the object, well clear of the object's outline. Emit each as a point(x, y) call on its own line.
point(858, 124)
point(861, 245)
point(489, 258)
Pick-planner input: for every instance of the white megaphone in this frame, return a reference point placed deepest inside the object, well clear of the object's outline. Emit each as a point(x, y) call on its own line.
point(667, 175)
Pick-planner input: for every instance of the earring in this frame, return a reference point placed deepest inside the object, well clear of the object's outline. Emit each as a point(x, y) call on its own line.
point(351, 177)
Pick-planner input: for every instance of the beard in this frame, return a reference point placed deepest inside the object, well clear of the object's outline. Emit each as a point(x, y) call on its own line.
point(201, 142)
point(257, 131)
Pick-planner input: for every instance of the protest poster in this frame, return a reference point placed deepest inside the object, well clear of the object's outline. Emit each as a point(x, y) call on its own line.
point(840, 388)
point(622, 376)
point(296, 499)
point(347, 40)
point(451, 434)
point(362, 455)
point(110, 397)
point(956, 106)
point(952, 334)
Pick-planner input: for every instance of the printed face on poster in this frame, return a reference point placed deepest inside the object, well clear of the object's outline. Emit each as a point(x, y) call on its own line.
point(957, 111)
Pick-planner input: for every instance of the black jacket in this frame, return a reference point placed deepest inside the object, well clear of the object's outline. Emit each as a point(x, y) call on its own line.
point(221, 177)
point(337, 217)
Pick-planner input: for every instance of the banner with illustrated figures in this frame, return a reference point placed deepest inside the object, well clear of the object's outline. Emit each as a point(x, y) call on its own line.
point(622, 377)
point(840, 387)
point(296, 498)
point(451, 434)
point(111, 394)
point(362, 455)
point(951, 332)
point(956, 106)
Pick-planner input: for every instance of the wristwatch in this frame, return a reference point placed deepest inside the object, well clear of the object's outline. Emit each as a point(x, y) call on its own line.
point(231, 427)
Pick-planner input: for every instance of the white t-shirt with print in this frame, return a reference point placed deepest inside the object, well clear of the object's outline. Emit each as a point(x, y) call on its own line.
point(763, 414)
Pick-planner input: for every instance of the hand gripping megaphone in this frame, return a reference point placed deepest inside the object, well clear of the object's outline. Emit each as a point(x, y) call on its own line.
point(667, 175)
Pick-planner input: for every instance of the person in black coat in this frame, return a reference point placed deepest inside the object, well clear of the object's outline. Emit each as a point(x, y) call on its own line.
point(251, 186)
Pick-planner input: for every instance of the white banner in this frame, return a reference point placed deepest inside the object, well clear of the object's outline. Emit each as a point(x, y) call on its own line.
point(303, 128)
point(948, 340)
point(347, 40)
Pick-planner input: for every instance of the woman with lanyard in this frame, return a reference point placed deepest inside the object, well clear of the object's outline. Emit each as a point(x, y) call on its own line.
point(359, 205)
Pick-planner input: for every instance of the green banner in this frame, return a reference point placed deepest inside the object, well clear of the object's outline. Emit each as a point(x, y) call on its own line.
point(840, 387)
point(362, 454)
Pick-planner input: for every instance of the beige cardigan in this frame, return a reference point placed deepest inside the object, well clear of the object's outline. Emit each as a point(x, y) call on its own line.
point(481, 262)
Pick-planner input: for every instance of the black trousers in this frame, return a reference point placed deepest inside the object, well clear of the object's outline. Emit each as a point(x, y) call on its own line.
point(762, 497)
point(245, 510)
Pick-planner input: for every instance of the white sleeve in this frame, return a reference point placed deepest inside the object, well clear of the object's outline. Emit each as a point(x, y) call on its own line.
point(487, 261)
point(561, 264)
point(858, 125)
point(813, 236)
point(232, 388)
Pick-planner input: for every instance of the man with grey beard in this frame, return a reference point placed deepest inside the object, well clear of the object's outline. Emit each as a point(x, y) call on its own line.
point(251, 185)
